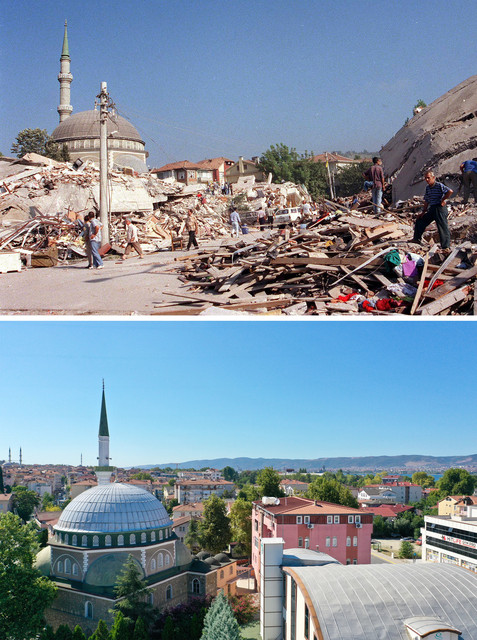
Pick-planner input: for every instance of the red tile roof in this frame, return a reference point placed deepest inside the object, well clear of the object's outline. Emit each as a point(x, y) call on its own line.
point(387, 510)
point(332, 157)
point(304, 506)
point(213, 163)
point(183, 164)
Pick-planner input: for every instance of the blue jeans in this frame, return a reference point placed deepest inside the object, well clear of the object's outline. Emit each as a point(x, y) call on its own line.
point(367, 185)
point(95, 247)
point(377, 197)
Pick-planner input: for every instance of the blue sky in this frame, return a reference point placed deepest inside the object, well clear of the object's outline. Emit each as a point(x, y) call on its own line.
point(182, 390)
point(211, 78)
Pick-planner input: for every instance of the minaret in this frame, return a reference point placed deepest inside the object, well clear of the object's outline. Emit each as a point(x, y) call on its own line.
point(65, 79)
point(20, 456)
point(9, 455)
point(103, 437)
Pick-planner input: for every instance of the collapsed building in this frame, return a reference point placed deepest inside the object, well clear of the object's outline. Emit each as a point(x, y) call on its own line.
point(438, 138)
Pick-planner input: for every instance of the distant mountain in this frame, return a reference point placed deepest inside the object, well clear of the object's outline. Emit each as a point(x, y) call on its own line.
point(411, 462)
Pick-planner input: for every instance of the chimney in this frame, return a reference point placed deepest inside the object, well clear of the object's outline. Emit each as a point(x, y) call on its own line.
point(241, 164)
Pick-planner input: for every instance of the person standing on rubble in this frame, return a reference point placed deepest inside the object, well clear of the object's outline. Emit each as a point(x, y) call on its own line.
point(87, 242)
point(95, 238)
point(468, 170)
point(192, 227)
point(434, 209)
point(235, 222)
point(270, 213)
point(261, 218)
point(375, 174)
point(132, 240)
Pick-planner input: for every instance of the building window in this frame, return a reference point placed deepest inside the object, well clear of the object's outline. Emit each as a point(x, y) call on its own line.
point(161, 533)
point(256, 525)
point(300, 542)
point(120, 540)
point(160, 560)
point(358, 519)
point(151, 599)
point(195, 586)
point(231, 569)
point(153, 564)
point(307, 543)
point(143, 538)
point(355, 541)
point(298, 519)
point(348, 561)
point(169, 593)
point(167, 559)
point(84, 541)
point(87, 144)
point(132, 538)
point(67, 565)
point(96, 143)
point(88, 609)
point(348, 541)
point(95, 541)
point(75, 569)
point(328, 541)
point(66, 538)
point(59, 566)
point(329, 519)
point(307, 623)
point(355, 561)
point(335, 541)
point(153, 536)
point(74, 541)
point(350, 519)
point(336, 519)
point(107, 541)
point(306, 519)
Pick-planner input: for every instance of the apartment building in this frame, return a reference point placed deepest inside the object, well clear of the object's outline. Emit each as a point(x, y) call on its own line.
point(197, 490)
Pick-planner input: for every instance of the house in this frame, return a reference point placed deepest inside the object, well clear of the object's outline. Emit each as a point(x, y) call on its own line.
point(78, 487)
point(455, 505)
point(376, 495)
point(181, 526)
point(290, 487)
point(335, 161)
point(388, 511)
point(6, 502)
point(402, 492)
point(192, 510)
point(198, 490)
point(342, 532)
point(244, 169)
point(218, 166)
point(307, 595)
point(185, 172)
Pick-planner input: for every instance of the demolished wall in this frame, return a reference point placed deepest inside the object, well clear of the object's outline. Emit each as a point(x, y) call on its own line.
point(439, 138)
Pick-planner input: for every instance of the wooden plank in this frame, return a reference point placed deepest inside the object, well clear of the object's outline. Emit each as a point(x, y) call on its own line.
point(364, 264)
point(204, 297)
point(420, 287)
point(382, 279)
point(435, 307)
point(443, 267)
point(453, 283)
point(335, 262)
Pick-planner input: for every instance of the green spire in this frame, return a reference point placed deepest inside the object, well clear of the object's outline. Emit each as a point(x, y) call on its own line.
point(65, 52)
point(103, 421)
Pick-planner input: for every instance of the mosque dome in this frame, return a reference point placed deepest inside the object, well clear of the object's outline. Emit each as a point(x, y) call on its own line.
point(85, 124)
point(113, 508)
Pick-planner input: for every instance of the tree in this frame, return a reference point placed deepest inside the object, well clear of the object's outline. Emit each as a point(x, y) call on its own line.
point(423, 479)
point(38, 141)
point(279, 161)
point(140, 630)
point(243, 607)
point(241, 524)
point(122, 628)
point(24, 502)
point(330, 490)
point(47, 633)
point(219, 622)
point(132, 590)
point(78, 633)
point(406, 550)
point(214, 530)
point(142, 475)
point(63, 633)
point(169, 631)
point(46, 501)
point(24, 593)
point(269, 483)
point(349, 180)
point(456, 482)
point(102, 632)
point(191, 539)
point(229, 474)
point(171, 504)
point(420, 104)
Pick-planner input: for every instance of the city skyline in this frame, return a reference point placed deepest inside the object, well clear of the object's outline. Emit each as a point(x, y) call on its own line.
point(209, 79)
point(178, 391)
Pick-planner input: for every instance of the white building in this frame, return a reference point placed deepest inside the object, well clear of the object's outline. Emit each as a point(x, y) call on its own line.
point(451, 540)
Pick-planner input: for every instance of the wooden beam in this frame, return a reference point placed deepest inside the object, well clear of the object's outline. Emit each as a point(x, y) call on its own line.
point(417, 297)
point(453, 283)
point(435, 307)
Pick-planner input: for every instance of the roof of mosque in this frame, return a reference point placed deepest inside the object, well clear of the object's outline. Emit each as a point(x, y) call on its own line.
point(85, 124)
point(113, 507)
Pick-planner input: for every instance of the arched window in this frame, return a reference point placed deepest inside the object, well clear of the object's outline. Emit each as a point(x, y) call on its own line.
point(160, 560)
point(169, 593)
point(195, 586)
point(67, 539)
point(120, 540)
point(153, 536)
point(143, 538)
point(161, 533)
point(95, 541)
point(153, 564)
point(88, 609)
point(75, 569)
point(67, 565)
point(59, 566)
point(151, 599)
point(84, 541)
point(167, 558)
point(132, 538)
point(107, 541)
point(74, 541)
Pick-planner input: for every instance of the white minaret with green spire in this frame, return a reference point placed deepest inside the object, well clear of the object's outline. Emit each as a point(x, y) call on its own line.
point(65, 79)
point(103, 471)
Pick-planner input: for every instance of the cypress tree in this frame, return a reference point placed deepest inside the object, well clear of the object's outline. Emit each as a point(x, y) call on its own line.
point(78, 633)
point(219, 622)
point(102, 632)
point(140, 630)
point(63, 633)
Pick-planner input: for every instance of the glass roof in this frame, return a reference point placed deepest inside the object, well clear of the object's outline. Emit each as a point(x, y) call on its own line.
point(112, 508)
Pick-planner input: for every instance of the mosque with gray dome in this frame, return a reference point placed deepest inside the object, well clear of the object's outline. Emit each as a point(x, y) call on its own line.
point(80, 132)
point(97, 532)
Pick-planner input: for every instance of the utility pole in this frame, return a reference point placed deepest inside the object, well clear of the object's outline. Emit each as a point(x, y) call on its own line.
point(103, 160)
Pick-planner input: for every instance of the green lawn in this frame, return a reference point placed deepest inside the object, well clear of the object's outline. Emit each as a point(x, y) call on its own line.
point(251, 631)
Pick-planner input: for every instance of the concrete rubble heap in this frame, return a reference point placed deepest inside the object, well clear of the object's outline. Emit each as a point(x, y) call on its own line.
point(439, 138)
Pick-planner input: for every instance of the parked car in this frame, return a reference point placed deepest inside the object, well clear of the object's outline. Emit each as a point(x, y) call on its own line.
point(285, 216)
point(419, 542)
point(407, 539)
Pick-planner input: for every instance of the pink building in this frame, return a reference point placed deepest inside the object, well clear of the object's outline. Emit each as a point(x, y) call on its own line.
point(342, 532)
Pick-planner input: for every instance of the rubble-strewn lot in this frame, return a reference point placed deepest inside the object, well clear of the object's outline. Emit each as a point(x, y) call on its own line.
point(337, 261)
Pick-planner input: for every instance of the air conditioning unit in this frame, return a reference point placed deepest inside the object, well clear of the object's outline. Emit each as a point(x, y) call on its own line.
point(358, 525)
point(310, 526)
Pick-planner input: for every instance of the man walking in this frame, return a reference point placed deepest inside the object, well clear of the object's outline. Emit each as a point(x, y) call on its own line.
point(95, 237)
point(131, 240)
point(375, 174)
point(434, 209)
point(235, 222)
point(87, 242)
point(192, 227)
point(469, 177)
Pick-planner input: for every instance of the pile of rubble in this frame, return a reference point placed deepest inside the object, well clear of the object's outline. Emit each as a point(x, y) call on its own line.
point(344, 262)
